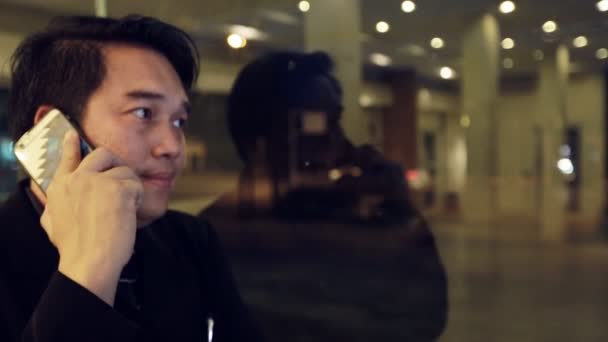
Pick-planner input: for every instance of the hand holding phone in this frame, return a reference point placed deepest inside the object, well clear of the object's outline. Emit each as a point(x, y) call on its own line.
point(90, 216)
point(91, 201)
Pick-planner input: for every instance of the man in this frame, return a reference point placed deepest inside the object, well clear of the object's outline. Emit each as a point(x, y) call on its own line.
point(322, 232)
point(99, 257)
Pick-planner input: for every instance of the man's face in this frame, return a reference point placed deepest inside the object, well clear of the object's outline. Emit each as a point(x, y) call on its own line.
point(137, 113)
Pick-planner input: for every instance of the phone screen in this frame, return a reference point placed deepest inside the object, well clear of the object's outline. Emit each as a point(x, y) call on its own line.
point(39, 149)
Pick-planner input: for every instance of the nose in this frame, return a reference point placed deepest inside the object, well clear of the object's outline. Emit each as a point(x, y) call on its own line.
point(168, 141)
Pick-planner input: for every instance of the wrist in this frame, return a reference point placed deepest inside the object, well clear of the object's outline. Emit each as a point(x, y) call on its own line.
point(101, 279)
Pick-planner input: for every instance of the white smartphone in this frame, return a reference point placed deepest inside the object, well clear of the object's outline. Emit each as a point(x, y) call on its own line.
point(39, 149)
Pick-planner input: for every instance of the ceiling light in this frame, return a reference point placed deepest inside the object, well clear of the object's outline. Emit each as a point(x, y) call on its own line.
point(550, 26)
point(409, 6)
point(304, 6)
point(580, 41)
point(507, 7)
point(247, 32)
point(508, 63)
point(446, 73)
point(601, 53)
point(437, 43)
point(380, 59)
point(538, 55)
point(507, 43)
point(236, 41)
point(382, 27)
point(602, 5)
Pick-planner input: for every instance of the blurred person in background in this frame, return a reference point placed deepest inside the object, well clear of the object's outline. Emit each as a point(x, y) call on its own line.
point(98, 257)
point(326, 242)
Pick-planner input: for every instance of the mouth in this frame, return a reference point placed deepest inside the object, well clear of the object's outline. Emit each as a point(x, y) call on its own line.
point(161, 180)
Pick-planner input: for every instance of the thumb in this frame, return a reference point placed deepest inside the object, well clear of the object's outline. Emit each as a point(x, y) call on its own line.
point(70, 154)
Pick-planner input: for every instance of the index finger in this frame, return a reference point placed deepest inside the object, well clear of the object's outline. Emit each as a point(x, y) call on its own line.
point(70, 153)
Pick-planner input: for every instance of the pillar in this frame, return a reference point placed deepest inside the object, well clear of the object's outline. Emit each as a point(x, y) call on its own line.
point(334, 26)
point(551, 119)
point(400, 121)
point(480, 76)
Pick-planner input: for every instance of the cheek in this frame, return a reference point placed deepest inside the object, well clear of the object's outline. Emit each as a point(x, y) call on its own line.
point(181, 159)
point(131, 147)
point(125, 144)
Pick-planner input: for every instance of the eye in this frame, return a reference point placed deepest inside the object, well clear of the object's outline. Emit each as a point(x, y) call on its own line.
point(179, 123)
point(143, 113)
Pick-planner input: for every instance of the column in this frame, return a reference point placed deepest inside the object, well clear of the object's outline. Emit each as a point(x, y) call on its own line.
point(334, 26)
point(455, 164)
point(480, 72)
point(551, 121)
point(400, 121)
point(101, 8)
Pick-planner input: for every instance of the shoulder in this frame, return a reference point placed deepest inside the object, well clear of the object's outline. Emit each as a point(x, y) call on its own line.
point(11, 208)
point(185, 220)
point(186, 231)
point(183, 223)
point(20, 226)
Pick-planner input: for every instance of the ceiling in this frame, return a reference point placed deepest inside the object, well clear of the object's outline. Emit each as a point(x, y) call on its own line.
point(407, 42)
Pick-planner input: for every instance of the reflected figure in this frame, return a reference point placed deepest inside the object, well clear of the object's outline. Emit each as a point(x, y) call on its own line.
point(325, 242)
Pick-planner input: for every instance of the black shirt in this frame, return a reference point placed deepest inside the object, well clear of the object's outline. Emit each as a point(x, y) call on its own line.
point(183, 280)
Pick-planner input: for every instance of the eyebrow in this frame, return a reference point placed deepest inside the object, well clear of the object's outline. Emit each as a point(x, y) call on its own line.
point(150, 95)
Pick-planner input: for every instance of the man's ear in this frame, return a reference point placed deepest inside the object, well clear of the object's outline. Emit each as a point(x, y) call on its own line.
point(41, 112)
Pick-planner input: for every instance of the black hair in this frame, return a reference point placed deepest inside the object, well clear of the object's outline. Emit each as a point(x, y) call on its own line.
point(267, 88)
point(63, 65)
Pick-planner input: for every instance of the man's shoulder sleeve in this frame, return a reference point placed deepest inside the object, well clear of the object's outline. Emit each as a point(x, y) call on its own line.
point(69, 312)
point(66, 311)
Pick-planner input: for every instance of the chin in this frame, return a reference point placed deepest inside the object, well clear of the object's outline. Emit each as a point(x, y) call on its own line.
point(150, 211)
